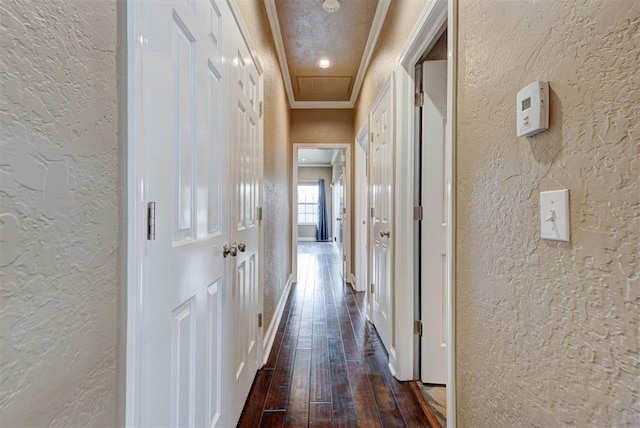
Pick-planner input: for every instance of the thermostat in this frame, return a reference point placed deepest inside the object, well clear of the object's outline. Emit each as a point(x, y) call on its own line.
point(533, 109)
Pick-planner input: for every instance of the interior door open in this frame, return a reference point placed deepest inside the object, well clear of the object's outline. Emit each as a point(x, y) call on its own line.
point(433, 261)
point(381, 224)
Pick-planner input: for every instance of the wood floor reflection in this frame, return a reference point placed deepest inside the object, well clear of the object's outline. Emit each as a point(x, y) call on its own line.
point(328, 366)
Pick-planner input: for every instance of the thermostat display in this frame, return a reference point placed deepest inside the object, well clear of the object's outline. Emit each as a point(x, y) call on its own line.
point(533, 109)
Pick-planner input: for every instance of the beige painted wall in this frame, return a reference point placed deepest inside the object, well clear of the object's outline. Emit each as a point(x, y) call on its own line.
point(314, 174)
point(277, 161)
point(547, 332)
point(401, 18)
point(58, 213)
point(322, 126)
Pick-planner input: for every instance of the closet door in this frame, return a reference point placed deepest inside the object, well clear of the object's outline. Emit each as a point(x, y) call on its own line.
point(195, 345)
point(245, 198)
point(381, 225)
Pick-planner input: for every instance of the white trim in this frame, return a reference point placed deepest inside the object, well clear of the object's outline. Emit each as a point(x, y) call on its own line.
point(135, 188)
point(367, 54)
point(270, 334)
point(450, 156)
point(404, 232)
point(294, 200)
point(362, 135)
point(306, 238)
point(436, 16)
point(374, 33)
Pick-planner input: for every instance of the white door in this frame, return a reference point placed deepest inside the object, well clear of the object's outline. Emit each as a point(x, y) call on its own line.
point(191, 294)
point(381, 188)
point(245, 198)
point(434, 225)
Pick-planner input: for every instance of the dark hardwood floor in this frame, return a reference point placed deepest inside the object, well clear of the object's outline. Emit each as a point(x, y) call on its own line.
point(327, 366)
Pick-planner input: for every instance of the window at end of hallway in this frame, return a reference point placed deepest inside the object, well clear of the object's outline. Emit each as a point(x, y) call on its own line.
point(308, 203)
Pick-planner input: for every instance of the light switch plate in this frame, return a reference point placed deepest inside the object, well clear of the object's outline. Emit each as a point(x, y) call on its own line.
point(554, 215)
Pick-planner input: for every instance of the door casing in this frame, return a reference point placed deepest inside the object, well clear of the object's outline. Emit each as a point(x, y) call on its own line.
point(347, 203)
point(436, 16)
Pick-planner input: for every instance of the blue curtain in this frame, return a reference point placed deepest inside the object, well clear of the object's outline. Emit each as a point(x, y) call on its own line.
point(323, 221)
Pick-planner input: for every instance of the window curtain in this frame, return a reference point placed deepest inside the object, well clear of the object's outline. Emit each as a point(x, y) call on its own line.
point(323, 222)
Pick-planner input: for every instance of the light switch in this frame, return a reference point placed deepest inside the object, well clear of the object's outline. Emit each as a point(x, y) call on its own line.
point(554, 215)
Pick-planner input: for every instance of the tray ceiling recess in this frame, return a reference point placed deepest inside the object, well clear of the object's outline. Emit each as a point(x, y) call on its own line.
point(324, 55)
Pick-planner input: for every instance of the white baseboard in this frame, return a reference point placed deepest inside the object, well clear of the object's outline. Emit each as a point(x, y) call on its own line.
point(306, 238)
point(270, 334)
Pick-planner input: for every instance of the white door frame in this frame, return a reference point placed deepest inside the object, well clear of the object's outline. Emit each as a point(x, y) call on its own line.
point(347, 204)
point(135, 211)
point(361, 273)
point(437, 15)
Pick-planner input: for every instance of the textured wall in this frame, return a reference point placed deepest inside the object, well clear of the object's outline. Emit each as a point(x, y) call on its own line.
point(277, 160)
point(401, 18)
point(58, 214)
point(547, 332)
point(322, 126)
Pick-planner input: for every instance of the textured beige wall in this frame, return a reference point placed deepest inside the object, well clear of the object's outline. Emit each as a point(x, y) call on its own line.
point(547, 332)
point(401, 18)
point(58, 213)
point(277, 160)
point(322, 126)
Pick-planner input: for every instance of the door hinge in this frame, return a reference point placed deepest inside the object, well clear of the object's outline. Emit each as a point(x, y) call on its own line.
point(151, 221)
point(417, 213)
point(259, 213)
point(417, 327)
point(344, 258)
point(419, 100)
point(260, 109)
point(259, 320)
point(371, 288)
point(344, 210)
point(372, 212)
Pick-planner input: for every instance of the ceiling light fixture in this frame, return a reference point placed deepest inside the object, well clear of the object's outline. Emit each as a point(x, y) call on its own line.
point(324, 63)
point(331, 5)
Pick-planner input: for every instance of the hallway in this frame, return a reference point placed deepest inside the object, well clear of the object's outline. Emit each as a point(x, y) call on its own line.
point(327, 366)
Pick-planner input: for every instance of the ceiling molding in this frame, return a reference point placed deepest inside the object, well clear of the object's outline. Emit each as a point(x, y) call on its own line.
point(376, 28)
point(374, 33)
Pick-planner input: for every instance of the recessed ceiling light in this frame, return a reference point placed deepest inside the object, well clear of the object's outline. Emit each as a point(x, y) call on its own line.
point(324, 63)
point(331, 5)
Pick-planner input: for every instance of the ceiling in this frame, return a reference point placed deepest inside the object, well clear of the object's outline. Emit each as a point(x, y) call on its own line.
point(304, 33)
point(316, 157)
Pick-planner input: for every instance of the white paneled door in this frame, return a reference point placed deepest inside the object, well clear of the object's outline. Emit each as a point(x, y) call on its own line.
point(433, 263)
point(381, 224)
point(244, 198)
point(198, 342)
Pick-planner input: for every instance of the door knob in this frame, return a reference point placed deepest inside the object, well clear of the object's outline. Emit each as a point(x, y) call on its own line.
point(229, 249)
point(383, 234)
point(242, 247)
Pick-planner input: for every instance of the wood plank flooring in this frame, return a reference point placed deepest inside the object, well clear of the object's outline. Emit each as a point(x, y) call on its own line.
point(328, 366)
